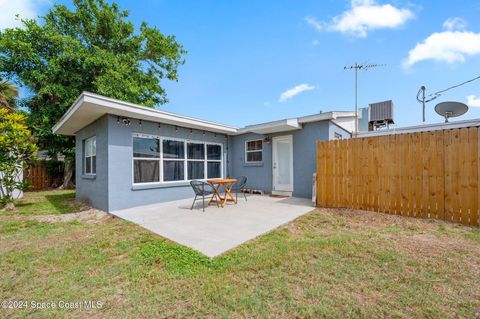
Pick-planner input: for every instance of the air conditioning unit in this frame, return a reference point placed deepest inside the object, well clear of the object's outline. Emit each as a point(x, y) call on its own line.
point(380, 114)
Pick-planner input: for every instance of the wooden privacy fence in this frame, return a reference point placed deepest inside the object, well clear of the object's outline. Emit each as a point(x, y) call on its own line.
point(38, 176)
point(432, 174)
point(45, 174)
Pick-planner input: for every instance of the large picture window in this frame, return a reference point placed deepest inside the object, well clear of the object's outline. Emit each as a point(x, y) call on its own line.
point(253, 151)
point(90, 151)
point(158, 159)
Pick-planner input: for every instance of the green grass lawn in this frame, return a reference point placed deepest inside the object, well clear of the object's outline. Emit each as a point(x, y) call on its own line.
point(329, 263)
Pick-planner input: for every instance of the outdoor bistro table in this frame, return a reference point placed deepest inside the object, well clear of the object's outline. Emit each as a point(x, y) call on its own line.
point(226, 184)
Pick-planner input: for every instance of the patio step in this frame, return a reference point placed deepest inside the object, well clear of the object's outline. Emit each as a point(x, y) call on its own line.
point(253, 191)
point(282, 193)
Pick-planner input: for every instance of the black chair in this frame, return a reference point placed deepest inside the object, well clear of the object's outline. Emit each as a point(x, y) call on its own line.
point(239, 186)
point(201, 188)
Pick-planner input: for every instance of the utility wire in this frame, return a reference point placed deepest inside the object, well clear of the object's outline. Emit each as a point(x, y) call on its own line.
point(438, 93)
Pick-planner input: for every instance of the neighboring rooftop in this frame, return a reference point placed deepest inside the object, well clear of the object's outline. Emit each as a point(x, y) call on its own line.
point(89, 107)
point(422, 128)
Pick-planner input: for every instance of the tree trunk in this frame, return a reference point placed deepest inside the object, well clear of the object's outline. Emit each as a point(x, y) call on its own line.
point(67, 175)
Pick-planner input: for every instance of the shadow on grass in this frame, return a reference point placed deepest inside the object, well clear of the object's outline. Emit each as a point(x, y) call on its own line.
point(62, 203)
point(54, 203)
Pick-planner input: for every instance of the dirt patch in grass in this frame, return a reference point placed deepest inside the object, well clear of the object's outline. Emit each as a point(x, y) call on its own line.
point(90, 216)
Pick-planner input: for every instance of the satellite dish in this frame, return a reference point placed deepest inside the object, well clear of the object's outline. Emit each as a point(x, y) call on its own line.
point(451, 109)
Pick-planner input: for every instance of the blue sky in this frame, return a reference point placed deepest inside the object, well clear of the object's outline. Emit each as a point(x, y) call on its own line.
point(242, 55)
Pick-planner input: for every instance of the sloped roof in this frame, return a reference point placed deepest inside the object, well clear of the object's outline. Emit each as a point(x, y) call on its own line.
point(89, 107)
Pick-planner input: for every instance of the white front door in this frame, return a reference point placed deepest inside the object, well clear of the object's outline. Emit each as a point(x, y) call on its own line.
point(282, 164)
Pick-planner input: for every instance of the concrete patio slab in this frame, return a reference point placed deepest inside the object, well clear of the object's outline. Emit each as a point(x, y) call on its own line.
point(216, 230)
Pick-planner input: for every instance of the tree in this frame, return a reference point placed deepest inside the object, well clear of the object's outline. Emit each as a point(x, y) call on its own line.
point(17, 151)
point(91, 48)
point(8, 94)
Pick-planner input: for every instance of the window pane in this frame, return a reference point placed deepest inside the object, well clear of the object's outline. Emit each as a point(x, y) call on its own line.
point(88, 165)
point(254, 145)
point(173, 171)
point(213, 169)
point(173, 149)
point(214, 152)
point(254, 156)
point(195, 151)
point(146, 147)
point(94, 146)
point(94, 164)
point(195, 170)
point(146, 171)
point(88, 148)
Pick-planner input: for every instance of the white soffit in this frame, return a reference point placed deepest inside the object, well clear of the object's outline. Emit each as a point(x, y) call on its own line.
point(89, 107)
point(272, 127)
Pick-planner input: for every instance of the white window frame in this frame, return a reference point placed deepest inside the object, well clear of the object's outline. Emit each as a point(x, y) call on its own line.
point(90, 157)
point(185, 160)
point(246, 151)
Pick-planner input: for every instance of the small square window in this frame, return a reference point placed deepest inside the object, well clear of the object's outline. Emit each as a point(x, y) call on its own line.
point(253, 151)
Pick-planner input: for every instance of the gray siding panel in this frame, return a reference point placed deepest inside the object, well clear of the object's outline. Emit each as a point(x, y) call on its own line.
point(305, 156)
point(259, 176)
point(335, 128)
point(93, 190)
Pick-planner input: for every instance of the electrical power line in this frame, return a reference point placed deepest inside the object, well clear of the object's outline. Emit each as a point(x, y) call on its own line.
point(433, 96)
point(438, 93)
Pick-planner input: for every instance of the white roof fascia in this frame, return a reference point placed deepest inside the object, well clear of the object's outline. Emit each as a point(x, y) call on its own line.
point(121, 108)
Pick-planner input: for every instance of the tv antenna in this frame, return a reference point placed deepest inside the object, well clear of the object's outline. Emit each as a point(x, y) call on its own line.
point(358, 67)
point(425, 99)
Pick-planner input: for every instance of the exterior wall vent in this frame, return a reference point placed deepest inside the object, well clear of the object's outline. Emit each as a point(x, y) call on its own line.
point(380, 114)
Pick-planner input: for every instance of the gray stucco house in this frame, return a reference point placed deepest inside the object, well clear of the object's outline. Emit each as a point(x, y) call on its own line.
point(128, 155)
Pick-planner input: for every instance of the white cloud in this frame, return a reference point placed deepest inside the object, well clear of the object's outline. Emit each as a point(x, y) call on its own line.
point(473, 101)
point(26, 9)
point(448, 46)
point(288, 94)
point(455, 23)
point(314, 23)
point(364, 16)
point(315, 42)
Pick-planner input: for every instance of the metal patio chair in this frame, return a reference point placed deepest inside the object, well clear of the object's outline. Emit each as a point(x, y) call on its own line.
point(239, 186)
point(203, 189)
